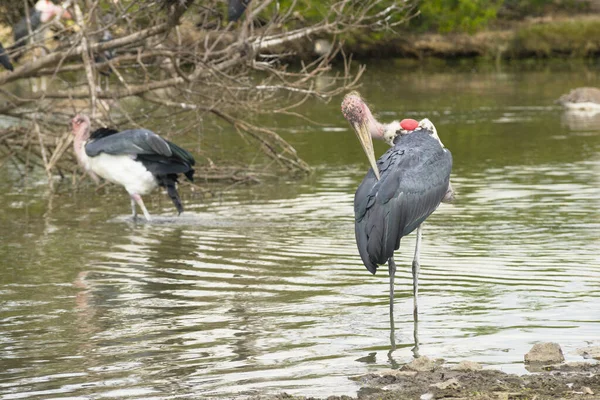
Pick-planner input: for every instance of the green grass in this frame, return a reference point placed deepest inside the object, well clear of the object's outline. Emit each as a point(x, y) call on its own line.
point(574, 38)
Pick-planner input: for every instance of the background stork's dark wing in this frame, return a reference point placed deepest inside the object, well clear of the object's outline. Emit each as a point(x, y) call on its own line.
point(20, 30)
point(414, 178)
point(235, 9)
point(102, 132)
point(4, 60)
point(165, 169)
point(134, 141)
point(180, 162)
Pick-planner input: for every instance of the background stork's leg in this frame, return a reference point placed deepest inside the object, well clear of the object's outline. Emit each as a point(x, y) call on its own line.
point(415, 271)
point(133, 209)
point(140, 202)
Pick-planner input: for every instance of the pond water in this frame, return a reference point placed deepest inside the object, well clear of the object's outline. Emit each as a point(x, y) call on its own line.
point(260, 289)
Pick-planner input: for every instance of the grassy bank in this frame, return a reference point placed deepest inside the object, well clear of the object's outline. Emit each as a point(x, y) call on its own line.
point(577, 36)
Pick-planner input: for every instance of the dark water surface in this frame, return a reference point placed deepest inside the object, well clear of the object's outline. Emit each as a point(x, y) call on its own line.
point(260, 289)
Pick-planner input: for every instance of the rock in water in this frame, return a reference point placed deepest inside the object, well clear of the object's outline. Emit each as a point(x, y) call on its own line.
point(545, 353)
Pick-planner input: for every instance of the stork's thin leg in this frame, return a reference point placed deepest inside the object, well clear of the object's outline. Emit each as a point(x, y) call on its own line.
point(133, 209)
point(415, 350)
point(140, 202)
point(392, 271)
point(415, 272)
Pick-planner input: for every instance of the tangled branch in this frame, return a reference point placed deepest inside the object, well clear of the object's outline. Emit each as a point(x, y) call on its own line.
point(181, 56)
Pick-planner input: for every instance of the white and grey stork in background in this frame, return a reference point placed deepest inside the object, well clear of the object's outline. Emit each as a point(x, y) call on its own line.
point(43, 12)
point(137, 159)
point(401, 189)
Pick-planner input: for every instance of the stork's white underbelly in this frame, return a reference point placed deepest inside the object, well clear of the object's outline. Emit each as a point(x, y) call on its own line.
point(125, 171)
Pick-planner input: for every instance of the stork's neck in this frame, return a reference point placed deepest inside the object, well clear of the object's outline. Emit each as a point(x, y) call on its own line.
point(376, 128)
point(390, 131)
point(79, 147)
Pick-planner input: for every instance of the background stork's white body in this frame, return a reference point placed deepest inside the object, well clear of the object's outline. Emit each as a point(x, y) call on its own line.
point(137, 159)
point(120, 169)
point(123, 170)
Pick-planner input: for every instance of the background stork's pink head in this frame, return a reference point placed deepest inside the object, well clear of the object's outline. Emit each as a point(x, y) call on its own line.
point(80, 125)
point(49, 10)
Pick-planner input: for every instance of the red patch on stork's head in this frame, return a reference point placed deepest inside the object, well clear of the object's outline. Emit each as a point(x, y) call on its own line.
point(409, 124)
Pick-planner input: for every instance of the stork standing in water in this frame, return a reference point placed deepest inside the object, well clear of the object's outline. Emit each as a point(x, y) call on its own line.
point(400, 190)
point(137, 159)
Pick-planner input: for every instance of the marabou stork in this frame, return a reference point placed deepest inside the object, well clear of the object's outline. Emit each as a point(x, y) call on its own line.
point(43, 11)
point(400, 190)
point(4, 60)
point(105, 55)
point(137, 159)
point(235, 9)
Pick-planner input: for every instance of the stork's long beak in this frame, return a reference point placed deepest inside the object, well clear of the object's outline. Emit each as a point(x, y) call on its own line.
point(366, 141)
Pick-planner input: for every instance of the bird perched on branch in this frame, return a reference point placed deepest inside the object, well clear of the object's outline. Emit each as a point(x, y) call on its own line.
point(4, 60)
point(401, 189)
point(235, 9)
point(43, 11)
point(137, 159)
point(105, 55)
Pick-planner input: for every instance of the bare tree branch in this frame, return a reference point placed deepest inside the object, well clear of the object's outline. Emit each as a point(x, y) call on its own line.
point(179, 60)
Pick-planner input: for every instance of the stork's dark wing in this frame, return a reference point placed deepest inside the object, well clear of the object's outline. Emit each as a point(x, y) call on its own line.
point(180, 162)
point(235, 9)
point(102, 132)
point(20, 29)
point(415, 174)
point(4, 60)
point(133, 142)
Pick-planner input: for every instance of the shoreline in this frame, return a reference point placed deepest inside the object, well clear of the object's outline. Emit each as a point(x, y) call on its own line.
point(544, 37)
point(427, 379)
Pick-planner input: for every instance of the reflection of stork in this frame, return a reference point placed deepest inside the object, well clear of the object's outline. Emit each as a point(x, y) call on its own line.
point(137, 159)
point(401, 189)
point(43, 12)
point(4, 60)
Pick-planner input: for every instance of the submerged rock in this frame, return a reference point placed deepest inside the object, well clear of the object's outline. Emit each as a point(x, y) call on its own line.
point(545, 353)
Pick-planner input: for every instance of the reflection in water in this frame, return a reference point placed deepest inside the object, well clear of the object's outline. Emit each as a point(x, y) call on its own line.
point(581, 120)
point(264, 290)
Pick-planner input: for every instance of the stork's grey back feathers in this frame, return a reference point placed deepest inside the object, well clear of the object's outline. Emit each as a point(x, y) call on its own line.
point(132, 141)
point(415, 174)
